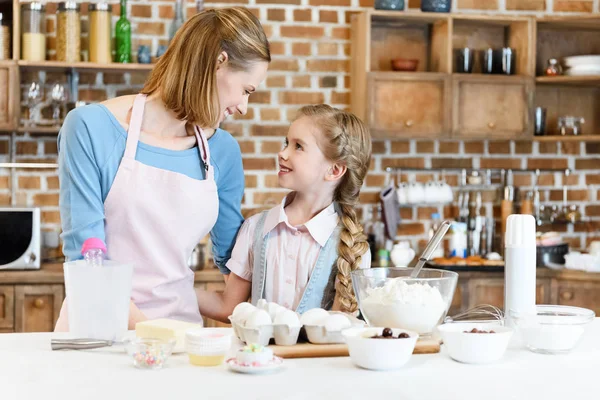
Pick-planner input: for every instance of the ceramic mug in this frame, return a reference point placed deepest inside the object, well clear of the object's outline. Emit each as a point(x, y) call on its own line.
point(402, 254)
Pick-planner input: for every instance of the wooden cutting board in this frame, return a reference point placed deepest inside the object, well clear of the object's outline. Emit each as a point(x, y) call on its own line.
point(309, 350)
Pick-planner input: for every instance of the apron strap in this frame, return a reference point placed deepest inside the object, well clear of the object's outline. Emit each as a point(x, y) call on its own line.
point(135, 126)
point(204, 152)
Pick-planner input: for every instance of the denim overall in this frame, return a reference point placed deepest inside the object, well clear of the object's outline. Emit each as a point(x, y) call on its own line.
point(320, 290)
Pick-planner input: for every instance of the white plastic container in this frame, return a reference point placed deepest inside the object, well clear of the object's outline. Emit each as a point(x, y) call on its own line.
point(98, 299)
point(520, 266)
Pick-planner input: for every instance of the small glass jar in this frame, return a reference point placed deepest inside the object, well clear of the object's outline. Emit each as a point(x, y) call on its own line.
point(33, 44)
point(568, 126)
point(4, 39)
point(553, 68)
point(100, 33)
point(68, 35)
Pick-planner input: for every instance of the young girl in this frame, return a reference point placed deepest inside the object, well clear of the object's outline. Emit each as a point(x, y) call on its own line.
point(300, 254)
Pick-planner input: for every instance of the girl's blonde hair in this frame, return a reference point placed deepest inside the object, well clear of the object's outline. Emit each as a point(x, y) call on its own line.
point(345, 141)
point(185, 75)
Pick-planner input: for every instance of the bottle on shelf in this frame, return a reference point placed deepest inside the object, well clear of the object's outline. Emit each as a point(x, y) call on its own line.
point(123, 36)
point(178, 20)
point(436, 220)
point(374, 228)
point(99, 32)
point(93, 251)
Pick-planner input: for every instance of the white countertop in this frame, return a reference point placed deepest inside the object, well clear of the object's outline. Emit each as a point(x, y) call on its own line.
point(30, 370)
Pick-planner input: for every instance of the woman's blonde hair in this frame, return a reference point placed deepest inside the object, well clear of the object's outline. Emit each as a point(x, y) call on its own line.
point(185, 76)
point(345, 141)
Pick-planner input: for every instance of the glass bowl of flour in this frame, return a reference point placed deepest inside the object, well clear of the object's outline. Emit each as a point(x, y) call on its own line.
point(389, 297)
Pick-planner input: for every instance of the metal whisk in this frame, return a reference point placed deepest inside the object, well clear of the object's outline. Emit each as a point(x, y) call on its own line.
point(481, 312)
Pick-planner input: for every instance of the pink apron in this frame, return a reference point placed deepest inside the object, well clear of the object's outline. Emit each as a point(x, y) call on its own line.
point(154, 218)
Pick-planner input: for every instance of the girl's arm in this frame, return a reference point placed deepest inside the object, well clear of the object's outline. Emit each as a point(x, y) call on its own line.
point(219, 306)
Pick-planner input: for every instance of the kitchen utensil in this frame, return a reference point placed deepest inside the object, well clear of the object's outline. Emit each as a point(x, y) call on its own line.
point(379, 354)
point(540, 121)
point(433, 243)
point(416, 193)
point(464, 60)
point(570, 125)
point(59, 99)
point(506, 205)
point(482, 312)
point(554, 254)
point(80, 344)
point(488, 64)
point(553, 68)
point(384, 301)
point(394, 5)
point(93, 314)
point(527, 204)
point(390, 209)
point(552, 329)
point(441, 6)
point(150, 353)
point(309, 350)
point(508, 57)
point(403, 64)
point(475, 348)
point(401, 254)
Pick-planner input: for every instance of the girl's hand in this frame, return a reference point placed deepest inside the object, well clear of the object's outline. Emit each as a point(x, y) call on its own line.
point(135, 316)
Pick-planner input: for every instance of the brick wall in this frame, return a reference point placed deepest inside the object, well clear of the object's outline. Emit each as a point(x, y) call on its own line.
point(310, 47)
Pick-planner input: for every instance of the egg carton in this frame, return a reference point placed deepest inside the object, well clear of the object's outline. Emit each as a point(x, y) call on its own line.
point(285, 335)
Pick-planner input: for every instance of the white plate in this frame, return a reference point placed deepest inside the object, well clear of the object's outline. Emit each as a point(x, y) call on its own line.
point(275, 364)
point(583, 72)
point(581, 60)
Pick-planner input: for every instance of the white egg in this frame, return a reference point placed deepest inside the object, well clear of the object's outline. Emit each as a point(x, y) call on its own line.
point(287, 317)
point(337, 322)
point(257, 319)
point(262, 304)
point(241, 312)
point(273, 309)
point(315, 317)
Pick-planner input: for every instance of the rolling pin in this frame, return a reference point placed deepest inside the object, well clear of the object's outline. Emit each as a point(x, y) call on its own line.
point(527, 205)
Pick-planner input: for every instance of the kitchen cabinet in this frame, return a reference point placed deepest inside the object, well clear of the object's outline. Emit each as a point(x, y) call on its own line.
point(8, 95)
point(580, 294)
point(491, 291)
point(7, 307)
point(37, 307)
point(408, 104)
point(498, 108)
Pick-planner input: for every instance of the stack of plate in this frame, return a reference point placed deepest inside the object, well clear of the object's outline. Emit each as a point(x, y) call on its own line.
point(582, 65)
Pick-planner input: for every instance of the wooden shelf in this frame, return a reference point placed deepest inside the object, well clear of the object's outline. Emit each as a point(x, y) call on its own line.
point(411, 16)
point(39, 129)
point(59, 65)
point(569, 80)
point(559, 138)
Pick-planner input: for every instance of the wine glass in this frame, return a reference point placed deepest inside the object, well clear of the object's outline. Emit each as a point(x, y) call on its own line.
point(34, 98)
point(59, 98)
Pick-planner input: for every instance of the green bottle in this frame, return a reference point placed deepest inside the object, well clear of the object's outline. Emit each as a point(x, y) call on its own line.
point(123, 36)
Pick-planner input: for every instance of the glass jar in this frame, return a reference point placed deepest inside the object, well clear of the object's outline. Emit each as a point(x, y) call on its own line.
point(4, 39)
point(100, 32)
point(68, 34)
point(553, 68)
point(570, 125)
point(33, 44)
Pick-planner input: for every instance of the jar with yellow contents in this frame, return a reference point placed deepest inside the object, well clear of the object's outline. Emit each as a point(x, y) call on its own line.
point(100, 33)
point(68, 34)
point(33, 33)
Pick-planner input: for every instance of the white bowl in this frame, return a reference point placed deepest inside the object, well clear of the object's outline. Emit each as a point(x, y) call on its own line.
point(475, 348)
point(552, 329)
point(379, 354)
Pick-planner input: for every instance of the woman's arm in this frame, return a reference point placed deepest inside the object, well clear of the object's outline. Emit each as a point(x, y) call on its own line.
point(227, 158)
point(81, 203)
point(219, 306)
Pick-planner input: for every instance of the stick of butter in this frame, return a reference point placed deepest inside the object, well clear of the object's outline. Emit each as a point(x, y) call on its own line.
point(164, 329)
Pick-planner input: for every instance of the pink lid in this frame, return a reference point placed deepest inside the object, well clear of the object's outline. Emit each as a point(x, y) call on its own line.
point(93, 243)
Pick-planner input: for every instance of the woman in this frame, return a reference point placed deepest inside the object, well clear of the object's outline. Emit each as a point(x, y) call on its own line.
point(137, 171)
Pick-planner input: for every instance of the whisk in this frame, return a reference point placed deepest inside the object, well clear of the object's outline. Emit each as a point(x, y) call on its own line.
point(483, 312)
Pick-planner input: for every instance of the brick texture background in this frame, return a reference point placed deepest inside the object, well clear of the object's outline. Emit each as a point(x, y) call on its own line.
point(311, 64)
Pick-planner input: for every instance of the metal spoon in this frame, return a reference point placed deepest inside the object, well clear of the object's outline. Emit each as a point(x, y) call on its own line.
point(431, 246)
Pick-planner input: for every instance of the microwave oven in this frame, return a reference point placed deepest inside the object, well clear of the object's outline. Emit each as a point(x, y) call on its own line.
point(20, 246)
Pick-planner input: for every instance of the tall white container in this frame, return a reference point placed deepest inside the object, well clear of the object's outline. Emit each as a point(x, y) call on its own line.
point(98, 299)
point(520, 266)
